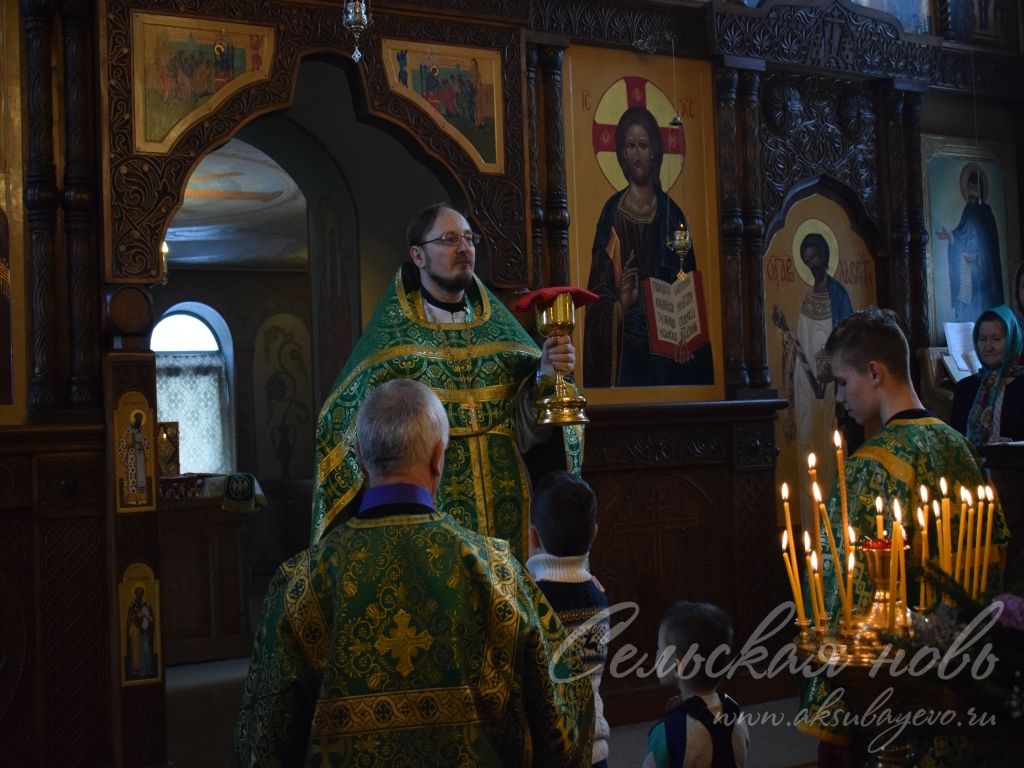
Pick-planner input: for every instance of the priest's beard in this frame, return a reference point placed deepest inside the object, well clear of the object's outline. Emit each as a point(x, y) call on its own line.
point(456, 283)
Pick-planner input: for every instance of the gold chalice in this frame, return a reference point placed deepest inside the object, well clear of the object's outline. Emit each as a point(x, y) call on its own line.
point(564, 405)
point(680, 242)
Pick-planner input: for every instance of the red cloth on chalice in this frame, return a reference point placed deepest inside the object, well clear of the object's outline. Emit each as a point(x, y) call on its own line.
point(542, 297)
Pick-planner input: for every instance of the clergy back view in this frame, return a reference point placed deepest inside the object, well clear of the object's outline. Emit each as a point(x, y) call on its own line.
point(402, 637)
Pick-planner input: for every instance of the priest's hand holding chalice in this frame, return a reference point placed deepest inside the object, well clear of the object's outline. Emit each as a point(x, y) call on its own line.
point(555, 316)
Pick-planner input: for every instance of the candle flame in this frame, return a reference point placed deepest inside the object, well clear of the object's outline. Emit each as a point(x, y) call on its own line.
point(807, 542)
point(811, 461)
point(920, 517)
point(968, 498)
point(878, 504)
point(988, 493)
point(837, 440)
point(850, 561)
point(935, 509)
point(852, 534)
point(785, 540)
point(924, 495)
point(814, 561)
point(942, 486)
point(785, 491)
point(816, 491)
point(981, 493)
point(897, 513)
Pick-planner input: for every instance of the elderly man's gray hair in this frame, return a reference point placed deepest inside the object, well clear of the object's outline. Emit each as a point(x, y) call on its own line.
point(398, 426)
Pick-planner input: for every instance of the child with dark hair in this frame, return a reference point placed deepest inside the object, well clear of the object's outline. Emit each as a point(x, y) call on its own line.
point(563, 524)
point(702, 728)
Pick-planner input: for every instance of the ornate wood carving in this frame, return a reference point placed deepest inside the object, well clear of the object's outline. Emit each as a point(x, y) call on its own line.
point(135, 373)
point(753, 229)
point(72, 602)
point(536, 201)
point(556, 218)
point(68, 481)
point(754, 446)
point(896, 288)
point(16, 617)
point(731, 225)
point(15, 482)
point(815, 125)
point(45, 389)
point(981, 73)
point(507, 10)
point(678, 485)
point(145, 189)
point(604, 23)
point(828, 34)
point(917, 254)
point(80, 201)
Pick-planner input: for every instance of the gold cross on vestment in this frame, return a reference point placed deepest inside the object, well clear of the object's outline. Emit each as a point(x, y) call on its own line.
point(403, 643)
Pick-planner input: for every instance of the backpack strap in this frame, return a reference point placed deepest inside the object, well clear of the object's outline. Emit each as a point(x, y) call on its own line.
point(720, 730)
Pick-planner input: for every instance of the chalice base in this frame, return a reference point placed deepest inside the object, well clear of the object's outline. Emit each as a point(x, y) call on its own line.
point(561, 410)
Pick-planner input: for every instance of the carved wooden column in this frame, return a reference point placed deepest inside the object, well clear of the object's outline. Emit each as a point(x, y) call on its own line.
point(536, 201)
point(45, 389)
point(731, 228)
point(556, 218)
point(80, 202)
point(896, 288)
point(749, 101)
point(918, 230)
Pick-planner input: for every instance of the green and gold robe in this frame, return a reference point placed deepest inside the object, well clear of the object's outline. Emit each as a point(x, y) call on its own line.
point(408, 640)
point(479, 369)
point(913, 449)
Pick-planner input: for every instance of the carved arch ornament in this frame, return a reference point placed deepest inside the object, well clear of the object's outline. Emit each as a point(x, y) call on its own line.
point(144, 190)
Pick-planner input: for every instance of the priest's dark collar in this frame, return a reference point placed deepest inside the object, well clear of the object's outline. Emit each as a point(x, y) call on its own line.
point(378, 499)
point(448, 306)
point(912, 413)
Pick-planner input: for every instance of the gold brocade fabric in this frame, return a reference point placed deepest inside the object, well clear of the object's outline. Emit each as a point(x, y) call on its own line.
point(407, 640)
point(478, 369)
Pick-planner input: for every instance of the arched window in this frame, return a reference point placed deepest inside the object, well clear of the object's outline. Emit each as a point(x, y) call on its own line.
point(193, 385)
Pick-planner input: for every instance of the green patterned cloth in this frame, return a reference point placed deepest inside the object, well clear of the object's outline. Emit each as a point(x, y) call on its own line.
point(913, 449)
point(479, 370)
point(408, 640)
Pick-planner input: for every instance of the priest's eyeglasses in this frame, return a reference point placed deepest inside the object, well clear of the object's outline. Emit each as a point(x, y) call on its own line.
point(451, 239)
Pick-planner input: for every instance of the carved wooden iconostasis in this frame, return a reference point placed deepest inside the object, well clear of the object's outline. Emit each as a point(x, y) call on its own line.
point(801, 111)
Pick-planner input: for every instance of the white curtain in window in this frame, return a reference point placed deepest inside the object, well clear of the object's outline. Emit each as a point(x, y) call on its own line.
point(192, 389)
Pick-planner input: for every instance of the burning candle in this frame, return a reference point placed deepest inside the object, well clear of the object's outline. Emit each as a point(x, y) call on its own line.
point(978, 543)
point(851, 561)
point(879, 523)
point(837, 564)
point(894, 565)
point(818, 586)
point(989, 496)
point(792, 549)
point(947, 519)
point(841, 477)
point(961, 531)
point(969, 545)
point(922, 523)
point(794, 583)
point(815, 518)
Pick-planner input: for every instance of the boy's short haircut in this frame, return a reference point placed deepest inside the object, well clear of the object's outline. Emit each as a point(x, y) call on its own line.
point(705, 625)
point(564, 512)
point(871, 334)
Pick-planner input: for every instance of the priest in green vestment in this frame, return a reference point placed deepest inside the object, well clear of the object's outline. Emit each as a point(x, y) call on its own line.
point(401, 638)
point(438, 324)
point(871, 366)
